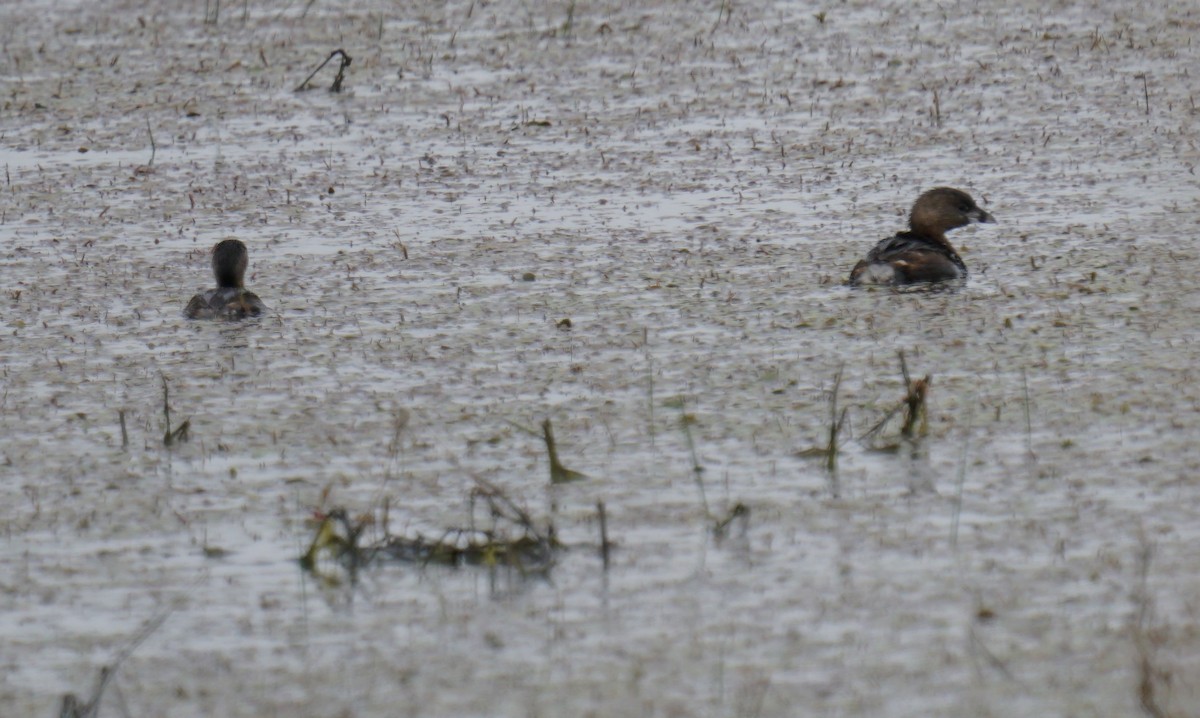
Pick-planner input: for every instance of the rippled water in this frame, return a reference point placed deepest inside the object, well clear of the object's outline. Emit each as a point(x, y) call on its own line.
point(688, 185)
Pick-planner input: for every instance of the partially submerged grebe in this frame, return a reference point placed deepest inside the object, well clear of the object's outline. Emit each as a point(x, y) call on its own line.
point(922, 254)
point(230, 300)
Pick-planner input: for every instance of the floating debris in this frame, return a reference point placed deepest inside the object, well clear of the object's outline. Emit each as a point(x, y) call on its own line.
point(512, 540)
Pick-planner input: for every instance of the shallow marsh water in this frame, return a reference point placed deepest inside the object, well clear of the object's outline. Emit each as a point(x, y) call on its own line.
point(688, 184)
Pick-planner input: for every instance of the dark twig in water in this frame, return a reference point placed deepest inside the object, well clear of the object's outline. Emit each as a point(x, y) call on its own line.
point(166, 408)
point(978, 645)
point(685, 422)
point(180, 434)
point(836, 422)
point(738, 510)
point(725, 13)
point(1148, 675)
point(649, 381)
point(559, 474)
point(502, 506)
point(570, 21)
point(1028, 421)
point(124, 433)
point(71, 706)
point(870, 433)
point(962, 478)
point(914, 401)
point(829, 452)
point(153, 147)
point(1145, 89)
point(341, 73)
point(603, 533)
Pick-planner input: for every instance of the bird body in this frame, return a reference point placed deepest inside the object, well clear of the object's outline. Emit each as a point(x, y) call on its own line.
point(922, 254)
point(230, 299)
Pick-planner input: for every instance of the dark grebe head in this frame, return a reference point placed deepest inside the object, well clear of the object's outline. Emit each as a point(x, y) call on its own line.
point(229, 262)
point(942, 209)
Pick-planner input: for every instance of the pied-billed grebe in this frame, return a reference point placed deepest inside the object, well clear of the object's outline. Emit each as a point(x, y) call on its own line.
point(230, 300)
point(922, 254)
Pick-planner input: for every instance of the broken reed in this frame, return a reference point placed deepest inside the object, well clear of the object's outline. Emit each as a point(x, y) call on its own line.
point(1150, 675)
point(916, 417)
point(685, 423)
point(829, 452)
point(914, 401)
point(181, 433)
point(836, 422)
point(559, 474)
point(737, 511)
point(341, 72)
point(124, 433)
point(73, 707)
point(603, 532)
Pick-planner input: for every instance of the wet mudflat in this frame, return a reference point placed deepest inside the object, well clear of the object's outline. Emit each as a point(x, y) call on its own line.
point(688, 185)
